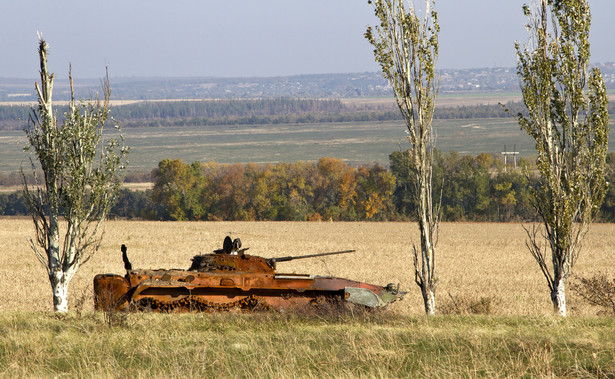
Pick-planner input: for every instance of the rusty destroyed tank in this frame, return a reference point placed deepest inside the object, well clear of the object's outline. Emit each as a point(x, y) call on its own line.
point(230, 279)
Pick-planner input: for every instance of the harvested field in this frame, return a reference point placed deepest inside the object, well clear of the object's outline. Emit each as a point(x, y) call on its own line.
point(474, 260)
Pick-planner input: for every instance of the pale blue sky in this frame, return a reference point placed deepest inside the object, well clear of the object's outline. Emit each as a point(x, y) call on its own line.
point(250, 38)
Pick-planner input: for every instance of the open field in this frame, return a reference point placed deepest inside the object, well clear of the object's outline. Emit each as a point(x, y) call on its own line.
point(521, 339)
point(474, 260)
point(443, 99)
point(355, 142)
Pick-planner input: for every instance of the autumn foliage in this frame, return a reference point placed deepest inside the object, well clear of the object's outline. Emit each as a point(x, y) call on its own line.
point(470, 188)
point(326, 190)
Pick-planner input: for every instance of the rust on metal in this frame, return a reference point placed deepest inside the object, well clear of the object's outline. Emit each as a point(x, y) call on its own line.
point(230, 279)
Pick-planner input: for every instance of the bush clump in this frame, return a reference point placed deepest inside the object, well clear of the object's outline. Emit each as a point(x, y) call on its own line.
point(598, 291)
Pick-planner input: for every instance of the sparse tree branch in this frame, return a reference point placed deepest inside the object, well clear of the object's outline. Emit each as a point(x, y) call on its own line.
point(567, 118)
point(406, 47)
point(76, 192)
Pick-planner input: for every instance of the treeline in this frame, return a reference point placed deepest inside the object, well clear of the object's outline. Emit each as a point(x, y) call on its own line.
point(471, 188)
point(252, 112)
point(326, 190)
point(298, 118)
point(225, 108)
point(482, 188)
point(342, 115)
point(200, 112)
point(281, 111)
point(260, 111)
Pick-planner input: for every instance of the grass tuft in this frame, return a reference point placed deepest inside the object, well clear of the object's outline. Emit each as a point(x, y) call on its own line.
point(468, 305)
point(299, 345)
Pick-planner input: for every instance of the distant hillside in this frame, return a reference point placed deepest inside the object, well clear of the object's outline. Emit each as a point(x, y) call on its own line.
point(354, 85)
point(255, 112)
point(233, 112)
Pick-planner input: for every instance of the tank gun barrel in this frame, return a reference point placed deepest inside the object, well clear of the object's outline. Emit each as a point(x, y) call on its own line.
point(273, 261)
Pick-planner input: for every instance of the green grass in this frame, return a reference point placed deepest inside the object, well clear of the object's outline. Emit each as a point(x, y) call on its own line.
point(283, 345)
point(355, 142)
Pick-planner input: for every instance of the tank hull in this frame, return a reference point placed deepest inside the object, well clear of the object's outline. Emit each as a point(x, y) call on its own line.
point(182, 290)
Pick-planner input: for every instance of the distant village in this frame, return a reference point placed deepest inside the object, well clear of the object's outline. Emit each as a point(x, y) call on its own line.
point(368, 84)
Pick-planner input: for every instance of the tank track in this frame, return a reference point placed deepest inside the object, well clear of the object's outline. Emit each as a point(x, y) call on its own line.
point(190, 303)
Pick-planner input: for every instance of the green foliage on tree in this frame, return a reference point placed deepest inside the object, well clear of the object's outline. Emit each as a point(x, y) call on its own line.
point(406, 47)
point(477, 188)
point(175, 188)
point(326, 190)
point(81, 179)
point(488, 191)
point(567, 117)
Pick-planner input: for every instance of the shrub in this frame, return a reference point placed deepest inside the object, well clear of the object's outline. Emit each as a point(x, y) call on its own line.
point(597, 290)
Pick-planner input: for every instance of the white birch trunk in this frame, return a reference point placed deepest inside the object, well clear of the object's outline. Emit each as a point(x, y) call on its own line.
point(429, 298)
point(59, 288)
point(558, 297)
point(427, 272)
point(59, 280)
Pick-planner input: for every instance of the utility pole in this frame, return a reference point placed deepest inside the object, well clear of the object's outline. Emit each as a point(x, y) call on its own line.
point(506, 153)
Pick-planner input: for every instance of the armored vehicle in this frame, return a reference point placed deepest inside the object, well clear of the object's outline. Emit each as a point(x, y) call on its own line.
point(230, 279)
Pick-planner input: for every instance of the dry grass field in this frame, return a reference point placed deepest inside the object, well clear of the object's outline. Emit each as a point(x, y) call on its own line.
point(474, 260)
point(523, 339)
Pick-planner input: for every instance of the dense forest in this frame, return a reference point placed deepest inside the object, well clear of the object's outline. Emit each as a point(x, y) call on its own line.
point(259, 111)
point(471, 188)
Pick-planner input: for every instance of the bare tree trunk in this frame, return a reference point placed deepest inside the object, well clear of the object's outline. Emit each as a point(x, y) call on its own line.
point(425, 275)
point(558, 296)
point(59, 288)
point(429, 299)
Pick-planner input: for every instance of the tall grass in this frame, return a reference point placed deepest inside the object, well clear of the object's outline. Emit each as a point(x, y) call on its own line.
point(290, 345)
point(475, 261)
point(483, 268)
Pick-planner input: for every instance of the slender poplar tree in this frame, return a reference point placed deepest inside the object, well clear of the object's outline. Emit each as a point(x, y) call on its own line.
point(406, 47)
point(69, 207)
point(568, 119)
